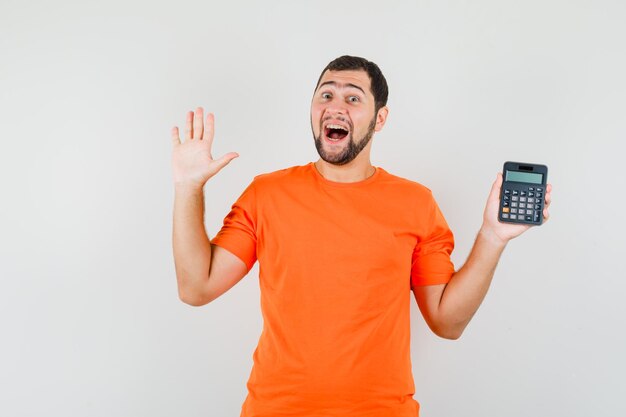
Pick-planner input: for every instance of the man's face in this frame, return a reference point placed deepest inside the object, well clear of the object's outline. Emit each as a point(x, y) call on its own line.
point(342, 115)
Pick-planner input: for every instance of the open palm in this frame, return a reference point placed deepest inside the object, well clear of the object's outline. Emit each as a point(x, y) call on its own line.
point(192, 162)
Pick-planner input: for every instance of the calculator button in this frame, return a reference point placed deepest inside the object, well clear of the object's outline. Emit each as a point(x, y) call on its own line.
point(522, 205)
point(531, 189)
point(522, 193)
point(506, 198)
point(536, 216)
point(514, 210)
point(515, 192)
point(522, 199)
point(537, 206)
point(529, 212)
point(531, 200)
point(505, 215)
point(513, 216)
point(539, 190)
point(505, 204)
point(529, 218)
point(514, 204)
point(507, 191)
point(515, 198)
point(539, 195)
point(505, 210)
point(531, 194)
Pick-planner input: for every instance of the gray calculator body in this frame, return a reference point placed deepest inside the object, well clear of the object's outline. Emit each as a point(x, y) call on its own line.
point(522, 196)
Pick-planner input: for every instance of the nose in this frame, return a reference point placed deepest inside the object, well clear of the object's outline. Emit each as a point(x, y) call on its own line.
point(335, 108)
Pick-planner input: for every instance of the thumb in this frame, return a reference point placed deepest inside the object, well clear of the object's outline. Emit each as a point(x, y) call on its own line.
point(225, 159)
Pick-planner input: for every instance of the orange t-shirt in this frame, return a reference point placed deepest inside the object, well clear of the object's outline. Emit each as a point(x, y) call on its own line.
point(336, 265)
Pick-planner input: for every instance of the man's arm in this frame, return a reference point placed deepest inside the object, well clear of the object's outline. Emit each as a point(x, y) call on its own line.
point(448, 308)
point(203, 271)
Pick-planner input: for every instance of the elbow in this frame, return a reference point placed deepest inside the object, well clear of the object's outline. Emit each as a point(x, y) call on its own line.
point(192, 298)
point(191, 290)
point(450, 332)
point(193, 302)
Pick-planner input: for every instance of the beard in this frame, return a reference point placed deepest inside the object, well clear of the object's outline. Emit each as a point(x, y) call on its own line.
point(350, 151)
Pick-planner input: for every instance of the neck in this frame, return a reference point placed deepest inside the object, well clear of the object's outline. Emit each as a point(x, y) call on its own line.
point(350, 172)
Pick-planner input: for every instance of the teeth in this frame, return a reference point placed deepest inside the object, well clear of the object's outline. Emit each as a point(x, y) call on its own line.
point(331, 126)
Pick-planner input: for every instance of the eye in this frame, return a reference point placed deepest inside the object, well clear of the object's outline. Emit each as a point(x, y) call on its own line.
point(326, 96)
point(354, 99)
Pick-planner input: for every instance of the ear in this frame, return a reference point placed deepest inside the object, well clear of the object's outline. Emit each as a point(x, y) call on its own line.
point(381, 118)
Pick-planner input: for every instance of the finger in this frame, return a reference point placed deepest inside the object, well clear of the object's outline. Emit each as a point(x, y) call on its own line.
point(188, 129)
point(548, 197)
point(175, 137)
point(224, 160)
point(209, 129)
point(495, 188)
point(197, 123)
point(547, 200)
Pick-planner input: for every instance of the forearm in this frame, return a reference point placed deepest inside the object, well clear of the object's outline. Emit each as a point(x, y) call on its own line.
point(467, 288)
point(448, 308)
point(191, 245)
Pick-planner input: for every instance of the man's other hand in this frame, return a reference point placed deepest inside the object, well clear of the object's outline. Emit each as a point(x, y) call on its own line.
point(503, 232)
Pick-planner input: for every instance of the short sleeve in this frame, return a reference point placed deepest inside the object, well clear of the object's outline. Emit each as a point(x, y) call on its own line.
point(238, 233)
point(431, 263)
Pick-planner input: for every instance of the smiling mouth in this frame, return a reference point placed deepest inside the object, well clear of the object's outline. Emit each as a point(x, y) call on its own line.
point(335, 133)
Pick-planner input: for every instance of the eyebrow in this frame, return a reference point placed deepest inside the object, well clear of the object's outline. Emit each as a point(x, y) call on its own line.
point(333, 83)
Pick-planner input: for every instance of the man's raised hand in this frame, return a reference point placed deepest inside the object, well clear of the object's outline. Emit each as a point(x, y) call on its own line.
point(192, 163)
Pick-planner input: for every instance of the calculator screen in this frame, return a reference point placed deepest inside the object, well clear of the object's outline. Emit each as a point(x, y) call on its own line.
point(528, 177)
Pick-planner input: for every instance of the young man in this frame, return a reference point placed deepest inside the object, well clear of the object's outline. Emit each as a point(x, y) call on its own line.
point(340, 244)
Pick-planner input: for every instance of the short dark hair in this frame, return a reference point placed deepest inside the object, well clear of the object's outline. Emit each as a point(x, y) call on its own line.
point(378, 83)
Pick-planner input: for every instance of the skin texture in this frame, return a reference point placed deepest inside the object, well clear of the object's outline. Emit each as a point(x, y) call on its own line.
point(206, 271)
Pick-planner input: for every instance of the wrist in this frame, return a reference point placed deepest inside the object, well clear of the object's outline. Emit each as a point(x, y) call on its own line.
point(188, 187)
point(490, 237)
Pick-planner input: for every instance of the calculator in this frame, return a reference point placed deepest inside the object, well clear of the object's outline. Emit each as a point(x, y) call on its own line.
point(522, 196)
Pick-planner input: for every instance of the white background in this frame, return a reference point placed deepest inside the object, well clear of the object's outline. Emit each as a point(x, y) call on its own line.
point(89, 311)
